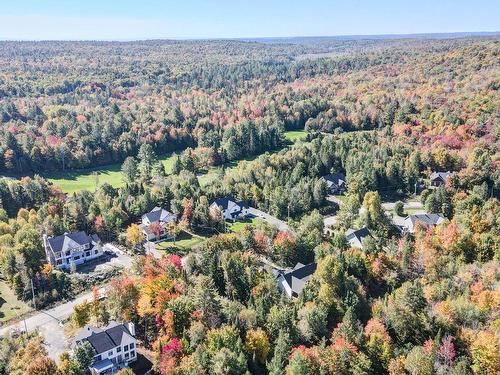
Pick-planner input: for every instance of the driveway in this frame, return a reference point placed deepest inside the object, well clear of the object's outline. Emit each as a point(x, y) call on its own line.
point(329, 221)
point(280, 224)
point(388, 206)
point(47, 322)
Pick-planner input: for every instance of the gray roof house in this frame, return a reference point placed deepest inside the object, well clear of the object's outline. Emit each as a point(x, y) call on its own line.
point(230, 208)
point(427, 220)
point(115, 346)
point(355, 237)
point(439, 178)
point(292, 281)
point(335, 182)
point(156, 215)
point(74, 247)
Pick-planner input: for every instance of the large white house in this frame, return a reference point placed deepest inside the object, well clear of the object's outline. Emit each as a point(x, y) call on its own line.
point(115, 346)
point(158, 216)
point(229, 208)
point(71, 248)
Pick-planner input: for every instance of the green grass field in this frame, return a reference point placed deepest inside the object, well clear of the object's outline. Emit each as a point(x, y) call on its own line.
point(184, 242)
point(294, 135)
point(76, 180)
point(10, 306)
point(73, 181)
point(238, 226)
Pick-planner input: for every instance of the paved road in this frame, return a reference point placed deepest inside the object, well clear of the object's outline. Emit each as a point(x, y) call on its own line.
point(280, 224)
point(47, 322)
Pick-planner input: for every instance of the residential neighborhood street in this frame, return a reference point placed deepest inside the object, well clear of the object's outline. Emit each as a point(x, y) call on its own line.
point(48, 322)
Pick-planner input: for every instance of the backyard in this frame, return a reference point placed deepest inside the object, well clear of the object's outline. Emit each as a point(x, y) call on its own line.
point(239, 225)
point(183, 243)
point(10, 306)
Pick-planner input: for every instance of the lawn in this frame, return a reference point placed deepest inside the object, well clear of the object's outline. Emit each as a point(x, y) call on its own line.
point(294, 135)
point(185, 241)
point(239, 225)
point(73, 181)
point(10, 306)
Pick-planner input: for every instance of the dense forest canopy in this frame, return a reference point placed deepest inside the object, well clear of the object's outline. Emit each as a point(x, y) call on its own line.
point(67, 105)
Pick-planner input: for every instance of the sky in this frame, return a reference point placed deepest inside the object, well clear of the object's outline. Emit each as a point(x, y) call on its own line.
point(193, 19)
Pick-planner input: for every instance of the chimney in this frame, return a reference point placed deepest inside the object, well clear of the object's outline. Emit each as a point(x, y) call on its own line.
point(131, 328)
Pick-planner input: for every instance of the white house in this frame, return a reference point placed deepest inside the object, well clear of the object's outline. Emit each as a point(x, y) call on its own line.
point(355, 237)
point(75, 247)
point(229, 208)
point(115, 346)
point(427, 220)
point(157, 216)
point(292, 281)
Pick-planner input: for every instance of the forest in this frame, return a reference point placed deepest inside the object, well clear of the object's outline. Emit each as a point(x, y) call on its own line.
point(387, 113)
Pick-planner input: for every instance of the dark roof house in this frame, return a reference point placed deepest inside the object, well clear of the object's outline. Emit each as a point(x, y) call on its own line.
point(229, 207)
point(158, 215)
point(355, 237)
point(335, 182)
point(439, 178)
point(293, 281)
point(69, 241)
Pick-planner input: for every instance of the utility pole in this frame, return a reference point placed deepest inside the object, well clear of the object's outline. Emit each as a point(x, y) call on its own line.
point(33, 294)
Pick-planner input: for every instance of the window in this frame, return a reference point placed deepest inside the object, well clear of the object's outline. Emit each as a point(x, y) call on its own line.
point(59, 261)
point(127, 355)
point(125, 348)
point(96, 251)
point(76, 257)
point(87, 253)
point(132, 346)
point(110, 353)
point(132, 353)
point(98, 357)
point(119, 349)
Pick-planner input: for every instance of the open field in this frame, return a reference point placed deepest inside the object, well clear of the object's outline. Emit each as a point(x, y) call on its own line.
point(294, 135)
point(87, 179)
point(10, 306)
point(184, 242)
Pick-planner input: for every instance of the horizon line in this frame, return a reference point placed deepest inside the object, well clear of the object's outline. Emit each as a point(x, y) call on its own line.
point(257, 38)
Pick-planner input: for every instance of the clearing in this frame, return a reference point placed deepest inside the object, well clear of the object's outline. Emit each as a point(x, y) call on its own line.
point(239, 225)
point(184, 242)
point(294, 135)
point(87, 179)
point(10, 306)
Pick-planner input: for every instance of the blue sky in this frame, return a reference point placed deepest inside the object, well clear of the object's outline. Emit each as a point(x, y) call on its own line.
point(143, 19)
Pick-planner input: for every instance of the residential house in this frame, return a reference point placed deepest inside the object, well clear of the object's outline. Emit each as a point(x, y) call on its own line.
point(439, 178)
point(336, 183)
point(355, 237)
point(71, 248)
point(427, 220)
point(292, 281)
point(229, 208)
point(114, 345)
point(158, 216)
